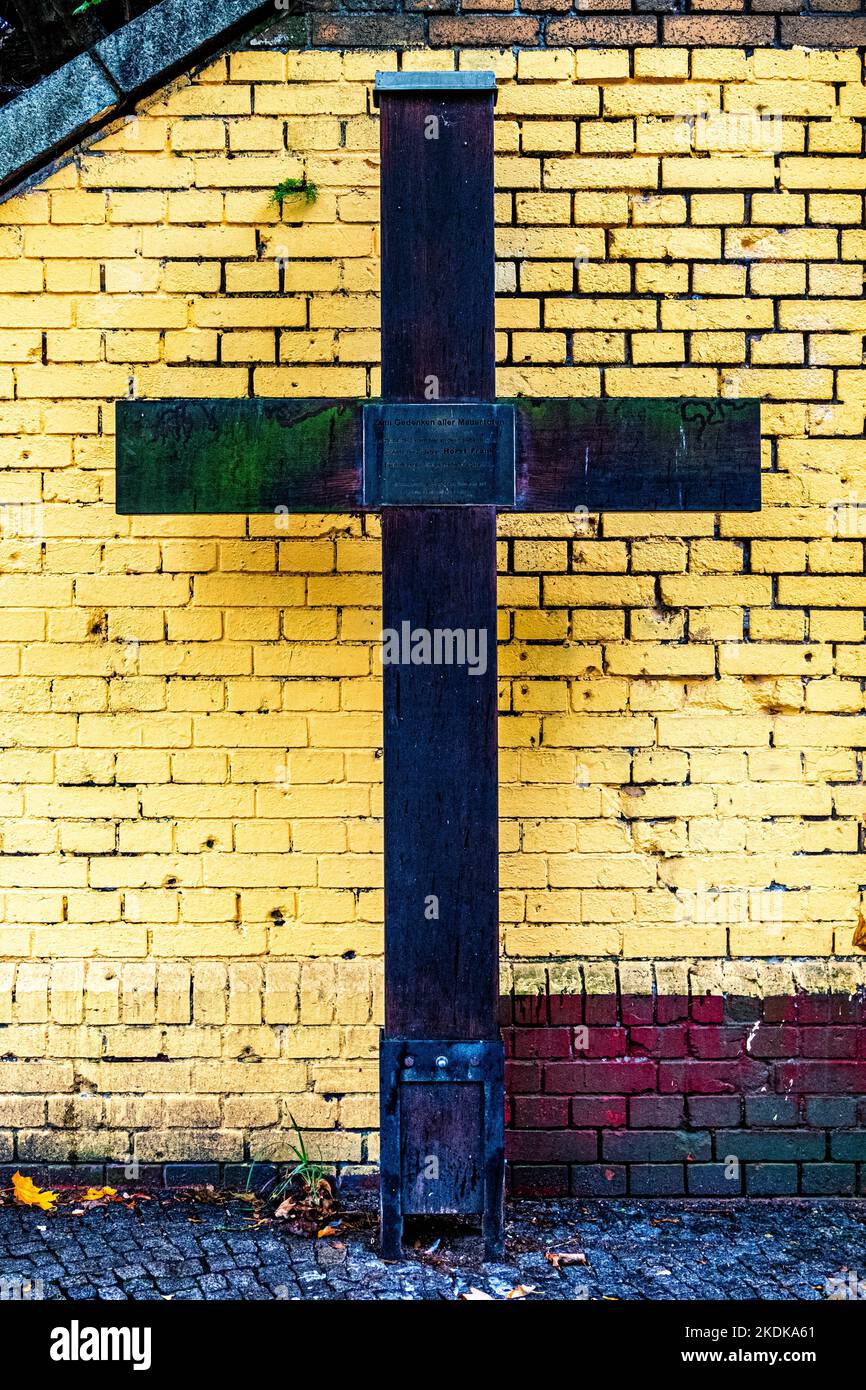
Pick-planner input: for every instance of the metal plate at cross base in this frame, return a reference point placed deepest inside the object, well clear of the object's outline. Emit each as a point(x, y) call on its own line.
point(442, 1135)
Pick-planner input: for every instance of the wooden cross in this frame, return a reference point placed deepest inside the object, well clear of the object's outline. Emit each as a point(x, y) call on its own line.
point(438, 457)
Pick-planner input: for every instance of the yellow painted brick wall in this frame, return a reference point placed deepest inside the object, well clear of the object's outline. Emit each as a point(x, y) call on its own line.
point(190, 743)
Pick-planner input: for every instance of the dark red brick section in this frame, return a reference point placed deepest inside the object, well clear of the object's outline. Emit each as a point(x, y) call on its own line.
point(670, 1096)
point(577, 23)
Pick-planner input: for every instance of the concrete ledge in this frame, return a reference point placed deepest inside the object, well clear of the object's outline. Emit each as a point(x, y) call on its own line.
point(50, 115)
point(91, 89)
point(152, 46)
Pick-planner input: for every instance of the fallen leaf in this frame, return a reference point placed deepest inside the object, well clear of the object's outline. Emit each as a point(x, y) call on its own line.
point(95, 1194)
point(859, 937)
point(285, 1208)
point(522, 1291)
point(561, 1259)
point(474, 1294)
point(325, 1231)
point(29, 1195)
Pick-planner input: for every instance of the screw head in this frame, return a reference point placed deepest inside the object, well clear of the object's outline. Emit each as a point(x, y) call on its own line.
point(409, 1061)
point(441, 1061)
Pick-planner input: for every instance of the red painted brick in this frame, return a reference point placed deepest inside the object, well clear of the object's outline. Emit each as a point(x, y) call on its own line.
point(820, 1078)
point(542, 1042)
point(656, 1112)
point(670, 1008)
point(601, 1010)
point(660, 1042)
point(623, 1077)
point(538, 1181)
point(603, 1042)
point(566, 1008)
point(522, 1076)
point(541, 1112)
point(551, 1146)
point(708, 1008)
point(782, 1008)
point(834, 1043)
point(712, 1078)
point(716, 1044)
point(530, 1009)
point(603, 1111)
point(637, 1009)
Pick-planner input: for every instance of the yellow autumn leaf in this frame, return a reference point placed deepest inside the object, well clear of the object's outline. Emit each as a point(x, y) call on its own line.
point(93, 1194)
point(859, 938)
point(29, 1195)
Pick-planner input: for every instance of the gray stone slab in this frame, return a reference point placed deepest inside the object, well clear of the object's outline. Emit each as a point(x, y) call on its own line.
point(79, 96)
point(50, 115)
point(162, 40)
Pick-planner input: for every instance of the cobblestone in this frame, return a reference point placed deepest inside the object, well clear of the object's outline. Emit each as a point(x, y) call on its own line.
point(183, 1246)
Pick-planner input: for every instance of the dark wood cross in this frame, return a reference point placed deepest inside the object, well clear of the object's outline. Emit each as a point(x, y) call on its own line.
point(437, 456)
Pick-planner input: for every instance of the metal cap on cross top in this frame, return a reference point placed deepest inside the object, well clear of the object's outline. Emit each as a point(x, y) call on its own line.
point(480, 81)
point(437, 455)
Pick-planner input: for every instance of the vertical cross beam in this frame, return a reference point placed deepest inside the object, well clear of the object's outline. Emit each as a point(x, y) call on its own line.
point(442, 1137)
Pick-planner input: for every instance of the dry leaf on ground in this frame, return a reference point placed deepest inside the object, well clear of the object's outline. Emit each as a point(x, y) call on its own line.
point(29, 1195)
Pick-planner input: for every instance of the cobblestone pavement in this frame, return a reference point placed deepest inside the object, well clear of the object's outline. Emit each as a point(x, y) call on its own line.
point(185, 1246)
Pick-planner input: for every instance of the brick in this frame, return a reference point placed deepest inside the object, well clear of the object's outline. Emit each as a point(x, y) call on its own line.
point(771, 1145)
point(538, 1180)
point(716, 31)
point(771, 1179)
point(602, 31)
point(829, 1179)
point(850, 1145)
point(831, 1111)
point(598, 1180)
point(550, 1146)
point(602, 1111)
point(540, 1112)
point(654, 1112)
point(486, 31)
point(771, 1110)
point(657, 1179)
point(712, 1180)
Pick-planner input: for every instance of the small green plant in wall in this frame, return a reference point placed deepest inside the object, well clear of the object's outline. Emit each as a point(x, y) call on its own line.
point(294, 188)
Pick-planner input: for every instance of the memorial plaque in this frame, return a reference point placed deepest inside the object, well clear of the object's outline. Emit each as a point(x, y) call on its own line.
point(439, 455)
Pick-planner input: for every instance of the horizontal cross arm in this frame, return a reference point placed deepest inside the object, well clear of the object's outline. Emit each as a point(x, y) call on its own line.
point(634, 455)
point(263, 455)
